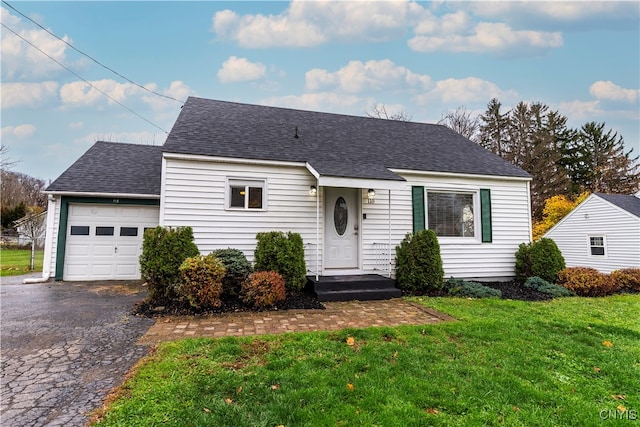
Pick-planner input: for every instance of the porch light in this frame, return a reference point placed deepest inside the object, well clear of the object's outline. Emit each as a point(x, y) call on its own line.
point(371, 195)
point(313, 190)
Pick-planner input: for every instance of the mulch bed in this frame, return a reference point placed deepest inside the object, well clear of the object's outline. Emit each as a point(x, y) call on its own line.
point(513, 290)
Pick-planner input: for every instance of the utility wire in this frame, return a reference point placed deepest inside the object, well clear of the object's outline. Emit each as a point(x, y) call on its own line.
point(83, 79)
point(90, 57)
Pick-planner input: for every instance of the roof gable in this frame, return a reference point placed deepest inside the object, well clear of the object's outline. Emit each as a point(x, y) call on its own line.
point(627, 203)
point(333, 144)
point(113, 168)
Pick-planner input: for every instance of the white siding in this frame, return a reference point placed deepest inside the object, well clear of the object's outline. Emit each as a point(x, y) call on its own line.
point(597, 217)
point(51, 240)
point(194, 195)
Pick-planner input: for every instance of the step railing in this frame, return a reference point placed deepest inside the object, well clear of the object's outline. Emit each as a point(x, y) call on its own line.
point(382, 258)
point(311, 258)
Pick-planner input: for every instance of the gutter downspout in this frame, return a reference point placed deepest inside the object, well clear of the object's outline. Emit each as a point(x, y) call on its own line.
point(318, 231)
point(389, 214)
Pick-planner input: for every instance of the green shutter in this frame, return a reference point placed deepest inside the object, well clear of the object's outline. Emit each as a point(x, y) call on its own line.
point(485, 214)
point(417, 198)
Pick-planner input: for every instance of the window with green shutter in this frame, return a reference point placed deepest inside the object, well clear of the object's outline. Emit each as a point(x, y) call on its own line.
point(485, 213)
point(417, 197)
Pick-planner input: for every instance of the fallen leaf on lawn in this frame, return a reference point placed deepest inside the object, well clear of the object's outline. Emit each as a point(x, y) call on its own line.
point(515, 408)
point(351, 341)
point(275, 386)
point(350, 387)
point(207, 410)
point(395, 355)
point(595, 368)
point(607, 343)
point(432, 411)
point(239, 389)
point(621, 408)
point(619, 396)
point(227, 400)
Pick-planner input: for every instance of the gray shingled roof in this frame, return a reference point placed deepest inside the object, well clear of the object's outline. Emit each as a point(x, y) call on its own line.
point(630, 204)
point(333, 144)
point(113, 167)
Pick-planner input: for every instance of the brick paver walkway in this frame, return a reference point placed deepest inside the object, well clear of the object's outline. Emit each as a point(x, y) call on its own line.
point(337, 315)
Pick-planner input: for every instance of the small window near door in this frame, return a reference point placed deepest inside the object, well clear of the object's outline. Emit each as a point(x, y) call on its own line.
point(129, 231)
point(596, 244)
point(79, 230)
point(104, 231)
point(246, 194)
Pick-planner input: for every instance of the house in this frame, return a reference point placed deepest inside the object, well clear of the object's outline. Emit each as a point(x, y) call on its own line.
point(603, 232)
point(351, 186)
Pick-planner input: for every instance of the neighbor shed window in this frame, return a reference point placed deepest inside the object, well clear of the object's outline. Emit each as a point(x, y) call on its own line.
point(451, 214)
point(596, 244)
point(246, 194)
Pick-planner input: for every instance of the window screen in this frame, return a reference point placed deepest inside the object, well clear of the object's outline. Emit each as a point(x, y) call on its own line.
point(597, 245)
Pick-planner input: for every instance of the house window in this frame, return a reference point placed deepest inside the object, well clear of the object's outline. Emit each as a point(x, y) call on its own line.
point(451, 214)
point(246, 194)
point(596, 244)
point(79, 230)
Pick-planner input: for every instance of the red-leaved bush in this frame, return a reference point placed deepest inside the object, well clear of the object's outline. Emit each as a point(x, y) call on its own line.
point(263, 289)
point(627, 278)
point(201, 281)
point(587, 282)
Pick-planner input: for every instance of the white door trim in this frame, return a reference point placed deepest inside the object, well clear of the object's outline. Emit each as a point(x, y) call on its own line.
point(342, 258)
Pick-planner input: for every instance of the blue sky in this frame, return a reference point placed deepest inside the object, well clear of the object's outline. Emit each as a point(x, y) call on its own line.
point(424, 58)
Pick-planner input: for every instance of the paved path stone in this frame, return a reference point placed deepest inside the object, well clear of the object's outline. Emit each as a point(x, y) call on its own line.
point(337, 315)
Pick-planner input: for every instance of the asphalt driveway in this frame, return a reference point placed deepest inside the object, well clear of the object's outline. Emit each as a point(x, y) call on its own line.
point(64, 345)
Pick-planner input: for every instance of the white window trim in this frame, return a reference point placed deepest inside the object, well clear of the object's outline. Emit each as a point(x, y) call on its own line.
point(248, 182)
point(477, 226)
point(604, 245)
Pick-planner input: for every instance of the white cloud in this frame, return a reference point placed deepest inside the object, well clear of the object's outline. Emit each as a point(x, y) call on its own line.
point(237, 69)
point(148, 138)
point(306, 23)
point(22, 61)
point(27, 94)
point(464, 91)
point(76, 125)
point(20, 131)
point(488, 37)
point(322, 101)
point(176, 90)
point(373, 75)
point(80, 93)
point(579, 110)
point(612, 92)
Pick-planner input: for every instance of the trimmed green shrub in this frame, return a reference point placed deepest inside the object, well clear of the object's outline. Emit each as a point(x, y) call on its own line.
point(282, 253)
point(238, 269)
point(465, 289)
point(201, 281)
point(587, 282)
point(263, 289)
point(627, 279)
point(163, 251)
point(418, 263)
point(541, 258)
point(541, 285)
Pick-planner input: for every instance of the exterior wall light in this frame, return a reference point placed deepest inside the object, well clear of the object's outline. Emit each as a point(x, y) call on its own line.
point(371, 195)
point(313, 190)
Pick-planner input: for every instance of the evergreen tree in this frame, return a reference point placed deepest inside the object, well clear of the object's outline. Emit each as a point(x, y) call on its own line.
point(493, 128)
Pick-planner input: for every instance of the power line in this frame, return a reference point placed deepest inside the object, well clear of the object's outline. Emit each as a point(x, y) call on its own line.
point(90, 57)
point(83, 79)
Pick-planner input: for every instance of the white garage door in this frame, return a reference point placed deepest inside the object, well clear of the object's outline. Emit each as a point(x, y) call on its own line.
point(104, 242)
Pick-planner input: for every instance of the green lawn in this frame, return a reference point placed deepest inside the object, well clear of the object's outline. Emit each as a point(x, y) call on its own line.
point(16, 261)
point(571, 361)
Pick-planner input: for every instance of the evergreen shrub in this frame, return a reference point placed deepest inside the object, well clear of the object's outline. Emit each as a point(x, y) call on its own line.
point(238, 269)
point(541, 258)
point(541, 285)
point(201, 281)
point(284, 254)
point(263, 289)
point(163, 251)
point(419, 264)
point(466, 289)
point(627, 279)
point(587, 282)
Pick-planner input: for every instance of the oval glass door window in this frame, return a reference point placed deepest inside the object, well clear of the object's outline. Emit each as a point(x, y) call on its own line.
point(340, 216)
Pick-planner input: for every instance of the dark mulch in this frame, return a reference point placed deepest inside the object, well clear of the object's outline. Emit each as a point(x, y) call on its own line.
point(513, 290)
point(294, 300)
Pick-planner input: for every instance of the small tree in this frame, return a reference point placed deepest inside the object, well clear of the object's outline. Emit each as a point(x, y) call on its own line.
point(542, 259)
point(284, 254)
point(32, 226)
point(418, 262)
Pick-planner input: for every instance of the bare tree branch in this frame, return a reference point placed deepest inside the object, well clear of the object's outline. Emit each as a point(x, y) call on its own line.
point(379, 111)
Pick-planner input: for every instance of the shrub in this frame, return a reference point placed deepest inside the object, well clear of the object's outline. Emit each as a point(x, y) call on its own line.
point(201, 281)
point(238, 269)
point(627, 279)
point(284, 254)
point(418, 263)
point(541, 258)
point(541, 285)
point(263, 289)
point(587, 282)
point(462, 288)
point(163, 251)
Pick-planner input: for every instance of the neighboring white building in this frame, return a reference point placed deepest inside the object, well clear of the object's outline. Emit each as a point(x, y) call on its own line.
point(602, 232)
point(351, 186)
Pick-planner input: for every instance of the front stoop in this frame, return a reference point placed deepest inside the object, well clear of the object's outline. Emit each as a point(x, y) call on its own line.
point(358, 287)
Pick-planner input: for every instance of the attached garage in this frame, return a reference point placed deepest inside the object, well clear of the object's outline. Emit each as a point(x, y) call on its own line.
point(104, 242)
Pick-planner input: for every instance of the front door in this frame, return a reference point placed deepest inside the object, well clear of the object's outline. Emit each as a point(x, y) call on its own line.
point(341, 228)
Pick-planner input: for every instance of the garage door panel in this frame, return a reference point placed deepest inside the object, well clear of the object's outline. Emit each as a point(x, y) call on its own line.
point(111, 256)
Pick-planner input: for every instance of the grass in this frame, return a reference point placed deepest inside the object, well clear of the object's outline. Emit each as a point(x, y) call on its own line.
point(564, 362)
point(14, 262)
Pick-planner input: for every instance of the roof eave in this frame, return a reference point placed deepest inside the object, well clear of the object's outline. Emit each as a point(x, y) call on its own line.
point(103, 195)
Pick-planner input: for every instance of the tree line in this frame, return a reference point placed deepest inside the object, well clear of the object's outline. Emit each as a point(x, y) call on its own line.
point(561, 160)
